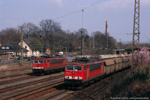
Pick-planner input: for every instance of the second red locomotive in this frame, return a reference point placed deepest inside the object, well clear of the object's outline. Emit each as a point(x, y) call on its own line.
point(46, 65)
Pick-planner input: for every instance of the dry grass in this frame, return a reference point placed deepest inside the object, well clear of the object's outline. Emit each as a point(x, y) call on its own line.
point(14, 66)
point(137, 85)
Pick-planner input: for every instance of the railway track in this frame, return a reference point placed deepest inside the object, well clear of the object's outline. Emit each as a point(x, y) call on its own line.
point(15, 72)
point(49, 87)
point(32, 91)
point(15, 69)
point(98, 90)
point(10, 90)
point(16, 79)
point(59, 95)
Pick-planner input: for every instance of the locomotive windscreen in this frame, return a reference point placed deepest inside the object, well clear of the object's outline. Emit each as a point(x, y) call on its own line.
point(54, 61)
point(73, 67)
point(95, 66)
point(38, 61)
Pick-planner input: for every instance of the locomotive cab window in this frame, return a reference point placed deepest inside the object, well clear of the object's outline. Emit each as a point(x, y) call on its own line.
point(69, 67)
point(77, 68)
point(41, 61)
point(35, 61)
point(73, 67)
point(38, 61)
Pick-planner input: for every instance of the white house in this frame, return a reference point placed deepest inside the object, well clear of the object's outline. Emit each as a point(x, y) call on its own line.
point(29, 51)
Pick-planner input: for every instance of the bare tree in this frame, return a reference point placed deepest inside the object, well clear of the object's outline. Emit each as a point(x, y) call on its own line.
point(31, 30)
point(9, 35)
point(49, 26)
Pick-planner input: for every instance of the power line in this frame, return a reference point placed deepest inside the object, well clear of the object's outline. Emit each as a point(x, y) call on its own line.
point(77, 11)
point(69, 14)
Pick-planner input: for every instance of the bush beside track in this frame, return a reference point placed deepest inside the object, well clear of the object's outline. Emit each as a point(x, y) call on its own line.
point(136, 85)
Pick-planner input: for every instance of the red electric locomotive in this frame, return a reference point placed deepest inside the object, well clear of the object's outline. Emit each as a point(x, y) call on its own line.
point(83, 71)
point(46, 65)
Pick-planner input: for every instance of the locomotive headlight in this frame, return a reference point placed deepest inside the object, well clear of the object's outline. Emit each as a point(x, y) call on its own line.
point(80, 78)
point(68, 77)
point(76, 78)
point(38, 68)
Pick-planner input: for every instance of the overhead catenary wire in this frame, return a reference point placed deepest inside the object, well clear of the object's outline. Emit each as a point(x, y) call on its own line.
point(78, 11)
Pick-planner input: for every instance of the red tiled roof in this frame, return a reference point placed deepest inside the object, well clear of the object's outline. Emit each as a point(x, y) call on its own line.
point(148, 48)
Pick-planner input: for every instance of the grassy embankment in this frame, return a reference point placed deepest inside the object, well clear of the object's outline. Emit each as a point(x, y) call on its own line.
point(136, 85)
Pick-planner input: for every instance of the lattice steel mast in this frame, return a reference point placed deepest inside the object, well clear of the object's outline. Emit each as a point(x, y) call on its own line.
point(136, 32)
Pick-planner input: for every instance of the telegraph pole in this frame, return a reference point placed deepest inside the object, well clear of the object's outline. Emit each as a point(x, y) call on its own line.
point(81, 43)
point(120, 44)
point(21, 37)
point(93, 41)
point(136, 32)
point(106, 32)
point(82, 34)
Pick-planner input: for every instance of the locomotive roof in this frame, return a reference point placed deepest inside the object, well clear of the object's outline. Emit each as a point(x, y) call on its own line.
point(49, 56)
point(85, 60)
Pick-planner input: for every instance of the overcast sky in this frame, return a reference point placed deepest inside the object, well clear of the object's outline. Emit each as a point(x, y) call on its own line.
point(118, 13)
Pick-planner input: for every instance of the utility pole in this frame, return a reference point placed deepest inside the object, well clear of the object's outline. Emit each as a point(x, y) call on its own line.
point(106, 32)
point(136, 33)
point(82, 34)
point(120, 44)
point(81, 43)
point(93, 41)
point(21, 38)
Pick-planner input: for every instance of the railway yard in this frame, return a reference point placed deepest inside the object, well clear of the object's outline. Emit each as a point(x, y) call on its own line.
point(70, 55)
point(20, 83)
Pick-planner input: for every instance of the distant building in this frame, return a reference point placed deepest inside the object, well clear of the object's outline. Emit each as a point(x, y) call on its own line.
point(29, 52)
point(147, 48)
point(12, 50)
point(9, 50)
point(120, 51)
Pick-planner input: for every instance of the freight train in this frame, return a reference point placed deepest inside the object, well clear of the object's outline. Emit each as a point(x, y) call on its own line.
point(84, 70)
point(48, 64)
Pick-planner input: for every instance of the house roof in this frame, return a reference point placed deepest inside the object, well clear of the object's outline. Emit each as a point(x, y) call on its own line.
point(147, 48)
point(10, 47)
point(13, 46)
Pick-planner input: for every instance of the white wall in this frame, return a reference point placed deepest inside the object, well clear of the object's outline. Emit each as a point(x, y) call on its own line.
point(30, 52)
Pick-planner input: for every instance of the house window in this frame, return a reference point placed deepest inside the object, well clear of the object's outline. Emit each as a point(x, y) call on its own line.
point(26, 47)
point(3, 47)
point(7, 47)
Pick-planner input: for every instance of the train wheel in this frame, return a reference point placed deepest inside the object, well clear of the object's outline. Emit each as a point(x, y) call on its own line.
point(81, 87)
point(73, 87)
point(45, 73)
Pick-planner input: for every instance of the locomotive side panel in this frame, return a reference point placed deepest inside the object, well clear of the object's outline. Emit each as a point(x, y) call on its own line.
point(56, 63)
point(94, 70)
